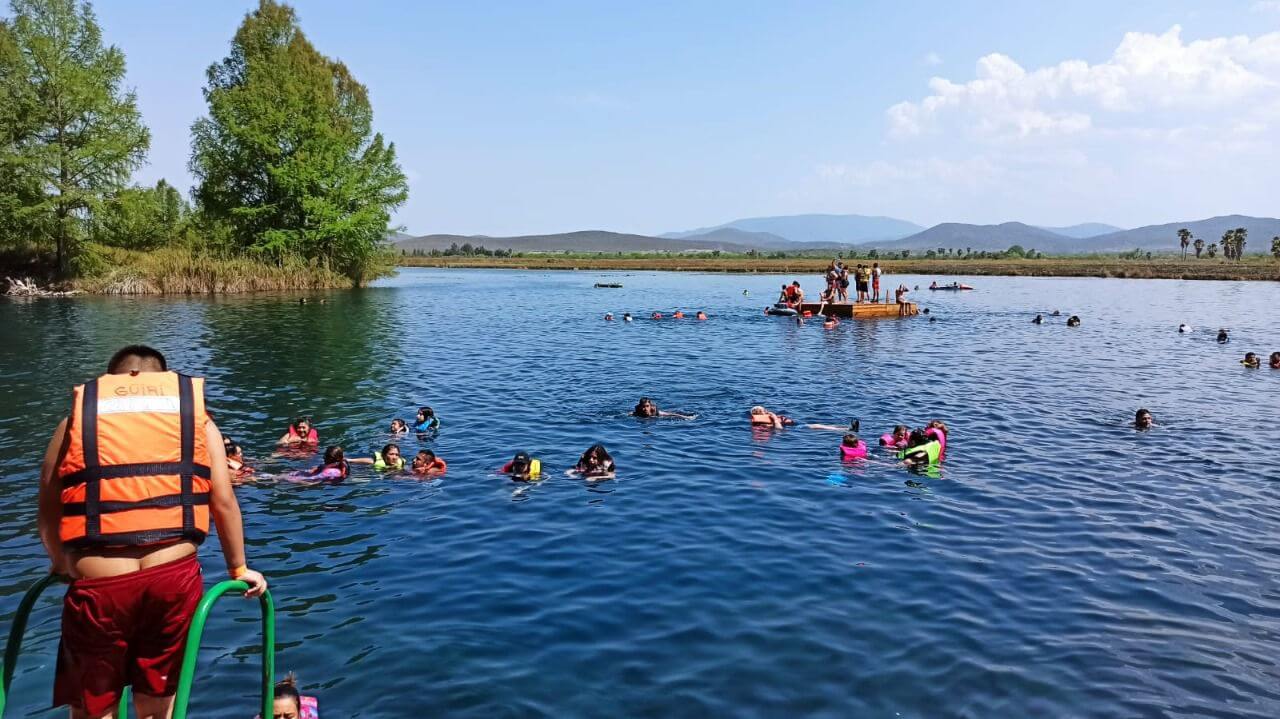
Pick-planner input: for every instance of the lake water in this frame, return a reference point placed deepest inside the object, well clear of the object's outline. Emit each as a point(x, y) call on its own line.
point(1062, 565)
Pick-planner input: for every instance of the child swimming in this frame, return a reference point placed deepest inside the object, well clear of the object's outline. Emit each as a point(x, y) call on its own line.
point(288, 703)
point(523, 468)
point(398, 426)
point(852, 448)
point(334, 469)
point(426, 421)
point(595, 463)
point(896, 439)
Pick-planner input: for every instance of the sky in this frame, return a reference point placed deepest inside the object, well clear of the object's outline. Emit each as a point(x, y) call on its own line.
point(525, 118)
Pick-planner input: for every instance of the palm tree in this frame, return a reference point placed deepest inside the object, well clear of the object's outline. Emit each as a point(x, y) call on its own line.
point(1184, 239)
point(1275, 247)
point(1213, 250)
point(1199, 245)
point(1228, 244)
point(1238, 236)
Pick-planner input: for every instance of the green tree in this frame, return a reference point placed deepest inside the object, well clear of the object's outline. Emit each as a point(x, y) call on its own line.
point(72, 135)
point(141, 218)
point(1238, 241)
point(1184, 239)
point(1213, 250)
point(1016, 251)
point(1199, 246)
point(287, 156)
point(1275, 247)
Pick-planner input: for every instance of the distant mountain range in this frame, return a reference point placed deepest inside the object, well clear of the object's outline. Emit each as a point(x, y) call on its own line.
point(830, 229)
point(798, 233)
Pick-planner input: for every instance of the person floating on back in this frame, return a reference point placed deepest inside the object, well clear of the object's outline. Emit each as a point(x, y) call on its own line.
point(128, 485)
point(761, 417)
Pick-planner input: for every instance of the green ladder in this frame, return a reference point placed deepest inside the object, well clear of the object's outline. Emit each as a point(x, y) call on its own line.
point(14, 646)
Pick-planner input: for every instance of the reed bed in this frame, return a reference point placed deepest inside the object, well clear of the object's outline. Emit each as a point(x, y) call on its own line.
point(183, 271)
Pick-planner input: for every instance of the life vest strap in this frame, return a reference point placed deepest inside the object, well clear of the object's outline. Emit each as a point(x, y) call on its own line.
point(136, 539)
point(78, 509)
point(118, 471)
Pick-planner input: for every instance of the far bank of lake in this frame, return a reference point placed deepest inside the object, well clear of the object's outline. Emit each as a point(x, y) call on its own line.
point(1252, 268)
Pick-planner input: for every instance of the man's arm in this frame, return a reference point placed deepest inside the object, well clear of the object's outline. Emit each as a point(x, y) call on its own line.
point(226, 512)
point(49, 514)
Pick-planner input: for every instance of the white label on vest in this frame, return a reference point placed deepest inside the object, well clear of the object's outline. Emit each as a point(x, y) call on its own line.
point(124, 405)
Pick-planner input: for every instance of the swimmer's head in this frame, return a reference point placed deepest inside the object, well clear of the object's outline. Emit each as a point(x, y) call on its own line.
point(850, 440)
point(1275, 360)
point(391, 453)
point(398, 426)
point(901, 431)
point(521, 464)
point(333, 455)
point(302, 426)
point(423, 459)
point(287, 703)
point(701, 315)
point(938, 425)
point(917, 438)
point(646, 408)
point(1143, 419)
point(608, 316)
point(235, 451)
point(1250, 360)
point(626, 317)
point(425, 413)
point(596, 457)
point(758, 410)
point(136, 358)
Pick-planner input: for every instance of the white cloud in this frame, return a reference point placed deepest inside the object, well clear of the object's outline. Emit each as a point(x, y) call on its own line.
point(1162, 129)
point(933, 59)
point(1146, 74)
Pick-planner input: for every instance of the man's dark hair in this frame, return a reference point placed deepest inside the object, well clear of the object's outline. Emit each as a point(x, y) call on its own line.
point(139, 351)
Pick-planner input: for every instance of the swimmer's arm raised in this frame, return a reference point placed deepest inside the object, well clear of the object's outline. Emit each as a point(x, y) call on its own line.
point(49, 514)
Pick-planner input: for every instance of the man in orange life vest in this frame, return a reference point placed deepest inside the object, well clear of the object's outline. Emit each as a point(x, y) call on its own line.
point(127, 488)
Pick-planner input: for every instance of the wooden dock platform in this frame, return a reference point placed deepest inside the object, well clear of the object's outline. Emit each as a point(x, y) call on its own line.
point(862, 310)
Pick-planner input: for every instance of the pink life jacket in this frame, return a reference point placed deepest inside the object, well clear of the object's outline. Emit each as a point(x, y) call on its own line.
point(942, 440)
point(858, 451)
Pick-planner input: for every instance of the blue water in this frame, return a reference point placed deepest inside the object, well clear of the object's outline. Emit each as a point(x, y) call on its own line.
point(1063, 564)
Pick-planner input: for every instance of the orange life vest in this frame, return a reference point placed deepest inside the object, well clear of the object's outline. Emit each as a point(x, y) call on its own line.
point(136, 471)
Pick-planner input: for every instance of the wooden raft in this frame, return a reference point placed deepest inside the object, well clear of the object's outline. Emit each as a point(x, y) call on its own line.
point(862, 310)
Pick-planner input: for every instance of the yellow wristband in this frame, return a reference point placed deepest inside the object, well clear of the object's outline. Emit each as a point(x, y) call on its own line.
point(239, 571)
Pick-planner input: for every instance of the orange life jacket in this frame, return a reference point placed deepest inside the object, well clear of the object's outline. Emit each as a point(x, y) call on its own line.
point(136, 471)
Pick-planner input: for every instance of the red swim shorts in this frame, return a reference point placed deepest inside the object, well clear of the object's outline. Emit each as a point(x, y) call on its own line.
point(128, 629)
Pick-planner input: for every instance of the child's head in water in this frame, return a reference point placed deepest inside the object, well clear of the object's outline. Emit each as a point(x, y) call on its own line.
point(917, 438)
point(1275, 360)
point(288, 702)
point(851, 440)
point(1142, 419)
point(398, 426)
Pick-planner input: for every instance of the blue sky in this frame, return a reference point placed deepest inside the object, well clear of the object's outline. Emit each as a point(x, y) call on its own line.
point(514, 118)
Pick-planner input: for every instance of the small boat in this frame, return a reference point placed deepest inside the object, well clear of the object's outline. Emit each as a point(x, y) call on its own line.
point(609, 285)
point(781, 308)
point(951, 287)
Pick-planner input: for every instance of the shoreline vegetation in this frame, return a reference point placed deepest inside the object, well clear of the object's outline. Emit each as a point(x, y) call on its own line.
point(1255, 268)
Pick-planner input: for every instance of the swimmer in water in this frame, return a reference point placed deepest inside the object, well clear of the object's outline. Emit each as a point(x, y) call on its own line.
point(852, 448)
point(1275, 360)
point(921, 450)
point(1251, 360)
point(1055, 313)
point(701, 315)
point(1222, 337)
point(522, 468)
point(937, 429)
point(678, 315)
point(1039, 320)
point(595, 463)
point(300, 433)
point(398, 426)
point(240, 470)
point(646, 408)
point(626, 316)
point(608, 317)
point(830, 322)
point(334, 469)
point(1143, 419)
point(655, 316)
point(388, 459)
point(1184, 328)
point(896, 439)
point(761, 417)
point(427, 464)
point(1073, 321)
point(426, 421)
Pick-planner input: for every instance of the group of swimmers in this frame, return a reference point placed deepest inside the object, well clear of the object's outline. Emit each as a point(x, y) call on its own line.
point(677, 315)
point(1072, 321)
point(1251, 359)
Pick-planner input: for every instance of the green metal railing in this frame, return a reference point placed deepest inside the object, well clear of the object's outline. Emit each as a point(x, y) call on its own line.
point(13, 647)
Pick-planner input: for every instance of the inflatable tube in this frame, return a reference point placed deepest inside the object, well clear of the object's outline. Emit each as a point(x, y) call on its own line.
point(781, 309)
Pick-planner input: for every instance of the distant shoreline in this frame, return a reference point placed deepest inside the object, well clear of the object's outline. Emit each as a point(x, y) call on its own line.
point(1255, 268)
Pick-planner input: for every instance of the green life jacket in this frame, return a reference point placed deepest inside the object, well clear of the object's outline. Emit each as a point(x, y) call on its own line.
point(380, 464)
point(931, 448)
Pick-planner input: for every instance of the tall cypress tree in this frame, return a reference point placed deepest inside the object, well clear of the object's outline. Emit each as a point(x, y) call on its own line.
point(287, 156)
point(71, 134)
